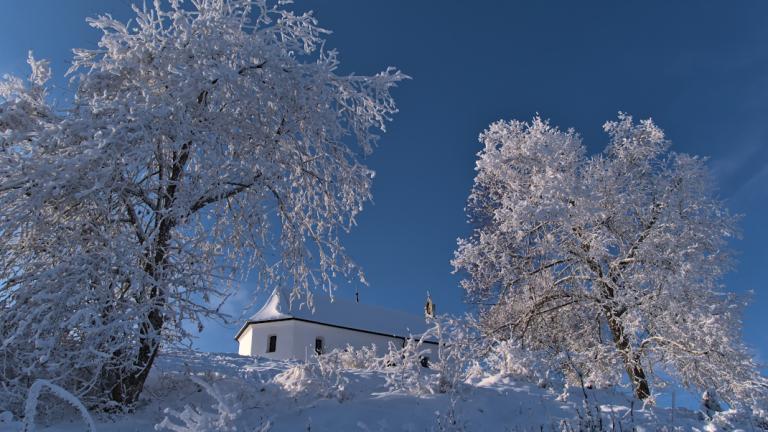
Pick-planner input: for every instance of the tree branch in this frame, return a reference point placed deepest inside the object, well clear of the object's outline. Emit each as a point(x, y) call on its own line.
point(134, 220)
point(209, 199)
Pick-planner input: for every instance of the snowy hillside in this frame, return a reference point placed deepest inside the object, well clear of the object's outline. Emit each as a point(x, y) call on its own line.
point(247, 394)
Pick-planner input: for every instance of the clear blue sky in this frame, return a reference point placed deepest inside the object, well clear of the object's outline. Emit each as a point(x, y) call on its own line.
point(699, 68)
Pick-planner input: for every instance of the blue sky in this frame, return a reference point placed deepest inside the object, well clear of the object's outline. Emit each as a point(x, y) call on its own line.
point(699, 68)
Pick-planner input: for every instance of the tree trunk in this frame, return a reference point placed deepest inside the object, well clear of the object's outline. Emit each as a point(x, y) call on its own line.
point(131, 380)
point(631, 359)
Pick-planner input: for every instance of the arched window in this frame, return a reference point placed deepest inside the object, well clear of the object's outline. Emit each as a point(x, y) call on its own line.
point(272, 344)
point(318, 345)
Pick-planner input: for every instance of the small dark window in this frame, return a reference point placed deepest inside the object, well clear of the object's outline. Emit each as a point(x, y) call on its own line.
point(318, 345)
point(424, 360)
point(272, 345)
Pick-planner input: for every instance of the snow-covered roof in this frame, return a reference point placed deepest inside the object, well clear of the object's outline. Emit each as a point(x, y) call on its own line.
point(341, 313)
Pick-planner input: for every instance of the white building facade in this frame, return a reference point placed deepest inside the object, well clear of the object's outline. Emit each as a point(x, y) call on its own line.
point(283, 331)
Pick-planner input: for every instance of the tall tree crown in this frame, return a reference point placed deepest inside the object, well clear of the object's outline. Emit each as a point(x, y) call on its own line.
point(202, 142)
point(606, 260)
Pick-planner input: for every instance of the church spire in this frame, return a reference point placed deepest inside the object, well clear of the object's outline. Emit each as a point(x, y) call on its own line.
point(429, 307)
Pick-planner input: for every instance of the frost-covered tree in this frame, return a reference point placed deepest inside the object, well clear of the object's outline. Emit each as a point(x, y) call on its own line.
point(203, 142)
point(614, 260)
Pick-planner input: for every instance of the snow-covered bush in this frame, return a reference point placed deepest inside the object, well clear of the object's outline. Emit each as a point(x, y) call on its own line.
point(322, 376)
point(365, 357)
point(206, 141)
point(404, 370)
point(296, 379)
point(465, 355)
point(458, 349)
point(509, 358)
point(192, 419)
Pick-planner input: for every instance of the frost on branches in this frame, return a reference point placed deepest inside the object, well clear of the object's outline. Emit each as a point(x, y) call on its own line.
point(201, 144)
point(614, 260)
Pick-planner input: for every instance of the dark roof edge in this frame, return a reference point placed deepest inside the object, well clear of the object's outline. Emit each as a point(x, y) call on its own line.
point(247, 323)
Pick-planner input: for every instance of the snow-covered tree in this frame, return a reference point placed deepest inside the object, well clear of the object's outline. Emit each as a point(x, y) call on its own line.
point(203, 142)
point(614, 259)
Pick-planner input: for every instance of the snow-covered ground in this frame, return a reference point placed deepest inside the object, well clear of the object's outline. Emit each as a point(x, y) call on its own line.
point(256, 394)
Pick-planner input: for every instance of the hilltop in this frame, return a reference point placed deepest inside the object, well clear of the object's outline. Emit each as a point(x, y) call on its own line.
point(352, 392)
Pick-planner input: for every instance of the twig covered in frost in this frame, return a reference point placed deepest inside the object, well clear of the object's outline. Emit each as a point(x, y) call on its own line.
point(30, 406)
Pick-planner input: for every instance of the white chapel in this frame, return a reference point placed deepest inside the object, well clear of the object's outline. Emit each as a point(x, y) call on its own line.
point(280, 330)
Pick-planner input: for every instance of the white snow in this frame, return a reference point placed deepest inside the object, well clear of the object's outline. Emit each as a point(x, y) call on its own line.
point(205, 391)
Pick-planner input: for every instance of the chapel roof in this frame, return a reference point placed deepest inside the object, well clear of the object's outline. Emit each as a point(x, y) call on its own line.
point(338, 312)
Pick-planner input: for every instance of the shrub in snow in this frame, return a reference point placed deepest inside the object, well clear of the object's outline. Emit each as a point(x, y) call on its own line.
point(404, 370)
point(464, 355)
point(458, 349)
point(33, 398)
point(192, 419)
point(296, 379)
point(509, 358)
point(321, 376)
point(616, 258)
point(200, 135)
point(365, 357)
